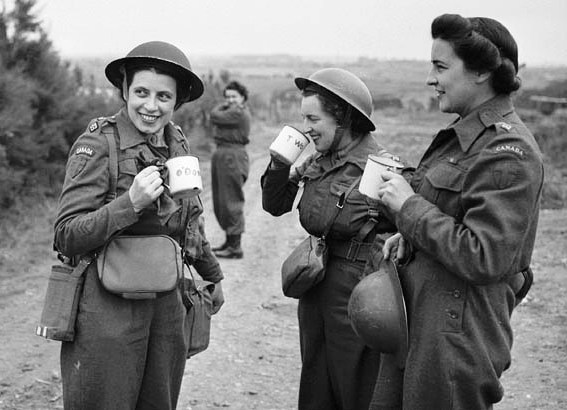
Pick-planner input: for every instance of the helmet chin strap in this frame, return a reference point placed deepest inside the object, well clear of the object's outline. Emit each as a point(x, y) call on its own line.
point(340, 130)
point(124, 83)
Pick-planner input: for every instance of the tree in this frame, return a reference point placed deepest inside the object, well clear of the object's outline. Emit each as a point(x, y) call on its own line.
point(38, 101)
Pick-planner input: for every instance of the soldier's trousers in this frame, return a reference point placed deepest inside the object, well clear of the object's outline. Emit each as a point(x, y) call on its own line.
point(338, 371)
point(127, 354)
point(229, 171)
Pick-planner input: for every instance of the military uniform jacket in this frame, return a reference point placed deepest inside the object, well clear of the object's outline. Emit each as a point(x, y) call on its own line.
point(232, 124)
point(472, 225)
point(478, 188)
point(325, 178)
point(86, 219)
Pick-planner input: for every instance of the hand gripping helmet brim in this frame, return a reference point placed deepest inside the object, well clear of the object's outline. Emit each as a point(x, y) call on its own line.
point(377, 312)
point(189, 84)
point(345, 85)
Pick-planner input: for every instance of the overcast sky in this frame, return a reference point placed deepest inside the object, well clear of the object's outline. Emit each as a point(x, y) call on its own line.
point(387, 29)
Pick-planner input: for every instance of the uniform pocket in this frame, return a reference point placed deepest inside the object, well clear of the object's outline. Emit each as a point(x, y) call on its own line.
point(443, 186)
point(446, 176)
point(128, 166)
point(355, 197)
point(128, 169)
point(355, 209)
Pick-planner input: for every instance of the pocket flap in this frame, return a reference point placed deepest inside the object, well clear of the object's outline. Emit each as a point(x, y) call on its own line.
point(447, 177)
point(338, 188)
point(128, 166)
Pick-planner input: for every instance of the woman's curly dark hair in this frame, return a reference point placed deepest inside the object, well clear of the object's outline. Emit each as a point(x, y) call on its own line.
point(484, 45)
point(337, 108)
point(239, 88)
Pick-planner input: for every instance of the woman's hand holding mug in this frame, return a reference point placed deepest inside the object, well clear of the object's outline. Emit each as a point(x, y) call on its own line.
point(146, 188)
point(287, 147)
point(394, 191)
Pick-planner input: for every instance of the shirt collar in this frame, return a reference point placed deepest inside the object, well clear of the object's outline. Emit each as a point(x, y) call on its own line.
point(130, 136)
point(468, 129)
point(356, 152)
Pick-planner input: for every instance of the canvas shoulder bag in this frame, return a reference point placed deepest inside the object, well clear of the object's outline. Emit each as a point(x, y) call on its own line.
point(198, 300)
point(305, 266)
point(140, 266)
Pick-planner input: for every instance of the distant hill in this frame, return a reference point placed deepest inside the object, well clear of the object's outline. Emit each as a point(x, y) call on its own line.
point(404, 79)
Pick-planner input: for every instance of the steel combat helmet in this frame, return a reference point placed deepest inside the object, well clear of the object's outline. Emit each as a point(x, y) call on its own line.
point(377, 312)
point(344, 85)
point(162, 54)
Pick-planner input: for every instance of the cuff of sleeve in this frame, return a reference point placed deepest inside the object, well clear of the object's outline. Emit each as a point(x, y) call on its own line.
point(275, 175)
point(122, 212)
point(208, 270)
point(410, 216)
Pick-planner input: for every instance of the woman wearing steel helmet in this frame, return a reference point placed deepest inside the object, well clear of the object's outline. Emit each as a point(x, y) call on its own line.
point(338, 370)
point(468, 220)
point(130, 353)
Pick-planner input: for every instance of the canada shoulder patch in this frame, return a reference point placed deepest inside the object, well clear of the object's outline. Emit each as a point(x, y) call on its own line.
point(514, 149)
point(84, 150)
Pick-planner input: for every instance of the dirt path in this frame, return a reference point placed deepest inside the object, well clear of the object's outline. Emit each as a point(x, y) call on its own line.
point(253, 359)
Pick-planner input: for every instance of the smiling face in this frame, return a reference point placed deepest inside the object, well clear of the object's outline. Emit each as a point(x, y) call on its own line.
point(233, 97)
point(150, 101)
point(457, 88)
point(317, 123)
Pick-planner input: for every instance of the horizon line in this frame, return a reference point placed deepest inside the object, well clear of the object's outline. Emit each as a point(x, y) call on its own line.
point(222, 56)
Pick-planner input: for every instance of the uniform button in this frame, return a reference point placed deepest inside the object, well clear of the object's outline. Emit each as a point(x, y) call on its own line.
point(452, 314)
point(456, 294)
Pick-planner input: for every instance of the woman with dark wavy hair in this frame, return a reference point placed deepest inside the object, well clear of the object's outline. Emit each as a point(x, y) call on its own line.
point(467, 225)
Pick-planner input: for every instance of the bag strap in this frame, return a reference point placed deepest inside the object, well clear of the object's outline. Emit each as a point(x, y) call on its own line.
point(82, 266)
point(112, 164)
point(340, 205)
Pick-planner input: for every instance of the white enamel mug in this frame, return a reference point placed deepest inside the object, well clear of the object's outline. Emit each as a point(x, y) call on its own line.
point(289, 144)
point(184, 176)
point(372, 175)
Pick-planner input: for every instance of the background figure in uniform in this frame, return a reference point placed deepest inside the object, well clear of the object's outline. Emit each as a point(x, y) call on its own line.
point(130, 353)
point(467, 223)
point(230, 166)
point(338, 370)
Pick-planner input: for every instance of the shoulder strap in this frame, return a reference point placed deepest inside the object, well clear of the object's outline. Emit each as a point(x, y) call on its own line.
point(340, 204)
point(112, 164)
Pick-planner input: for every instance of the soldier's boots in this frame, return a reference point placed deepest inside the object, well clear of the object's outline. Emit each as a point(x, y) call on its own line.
point(230, 253)
point(221, 247)
point(231, 249)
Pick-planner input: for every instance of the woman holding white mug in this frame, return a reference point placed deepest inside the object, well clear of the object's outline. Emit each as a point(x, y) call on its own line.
point(131, 352)
point(468, 222)
point(338, 370)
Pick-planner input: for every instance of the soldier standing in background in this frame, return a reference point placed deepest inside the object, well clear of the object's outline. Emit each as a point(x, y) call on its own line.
point(230, 166)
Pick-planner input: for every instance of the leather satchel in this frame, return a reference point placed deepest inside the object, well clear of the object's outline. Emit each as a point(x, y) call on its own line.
point(305, 266)
point(140, 266)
